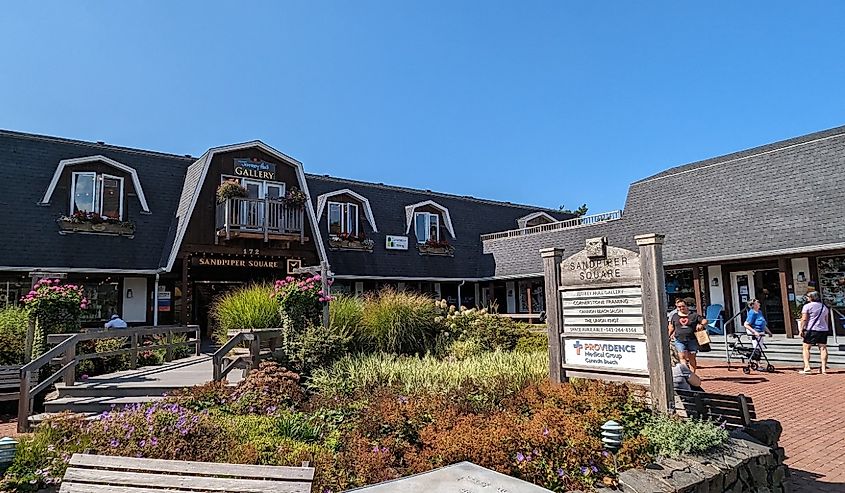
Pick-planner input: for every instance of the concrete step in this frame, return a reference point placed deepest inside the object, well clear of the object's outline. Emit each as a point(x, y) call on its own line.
point(94, 404)
point(780, 354)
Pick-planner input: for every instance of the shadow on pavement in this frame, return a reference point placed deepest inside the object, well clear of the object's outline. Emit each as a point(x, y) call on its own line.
point(809, 482)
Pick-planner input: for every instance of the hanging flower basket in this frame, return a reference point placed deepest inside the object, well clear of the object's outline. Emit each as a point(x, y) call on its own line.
point(230, 189)
point(295, 197)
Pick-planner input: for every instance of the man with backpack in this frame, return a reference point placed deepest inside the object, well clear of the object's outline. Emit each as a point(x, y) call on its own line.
point(814, 330)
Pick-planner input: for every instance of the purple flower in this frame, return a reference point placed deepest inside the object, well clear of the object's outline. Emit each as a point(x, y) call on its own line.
point(545, 432)
point(560, 472)
point(584, 470)
point(114, 443)
point(520, 457)
point(594, 468)
point(605, 453)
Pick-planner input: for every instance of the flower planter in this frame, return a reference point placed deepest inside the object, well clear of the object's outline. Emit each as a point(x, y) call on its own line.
point(100, 228)
point(443, 251)
point(338, 244)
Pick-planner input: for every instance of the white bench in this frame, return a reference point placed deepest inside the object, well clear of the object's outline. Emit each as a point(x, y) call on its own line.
point(101, 473)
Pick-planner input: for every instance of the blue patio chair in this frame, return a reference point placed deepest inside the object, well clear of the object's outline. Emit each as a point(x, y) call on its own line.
point(715, 324)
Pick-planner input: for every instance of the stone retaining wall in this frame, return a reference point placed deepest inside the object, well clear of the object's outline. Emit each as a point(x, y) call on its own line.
point(751, 462)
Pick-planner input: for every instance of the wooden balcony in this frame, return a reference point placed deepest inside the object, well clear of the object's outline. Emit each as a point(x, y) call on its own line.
point(266, 219)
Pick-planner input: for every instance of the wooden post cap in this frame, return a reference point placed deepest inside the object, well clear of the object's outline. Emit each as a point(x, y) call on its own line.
point(649, 239)
point(551, 252)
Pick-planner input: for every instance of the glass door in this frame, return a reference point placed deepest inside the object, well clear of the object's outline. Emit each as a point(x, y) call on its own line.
point(252, 211)
point(742, 286)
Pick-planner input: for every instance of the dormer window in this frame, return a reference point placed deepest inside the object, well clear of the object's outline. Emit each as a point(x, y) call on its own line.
point(427, 227)
point(97, 193)
point(343, 218)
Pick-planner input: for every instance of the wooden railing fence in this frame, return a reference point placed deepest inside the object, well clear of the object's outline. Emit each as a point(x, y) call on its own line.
point(64, 353)
point(258, 340)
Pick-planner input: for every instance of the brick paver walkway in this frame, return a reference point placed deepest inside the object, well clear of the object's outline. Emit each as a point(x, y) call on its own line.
point(811, 409)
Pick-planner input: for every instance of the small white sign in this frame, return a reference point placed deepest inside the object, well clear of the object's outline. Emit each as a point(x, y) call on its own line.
point(626, 320)
point(589, 330)
point(602, 310)
point(571, 294)
point(607, 354)
point(396, 242)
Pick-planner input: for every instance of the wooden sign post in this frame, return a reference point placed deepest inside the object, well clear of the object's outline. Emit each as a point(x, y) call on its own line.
point(605, 311)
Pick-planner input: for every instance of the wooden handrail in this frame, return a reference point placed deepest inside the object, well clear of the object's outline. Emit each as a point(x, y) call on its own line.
point(254, 337)
point(67, 349)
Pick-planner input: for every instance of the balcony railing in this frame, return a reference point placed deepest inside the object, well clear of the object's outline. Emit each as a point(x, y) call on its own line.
point(269, 218)
point(567, 224)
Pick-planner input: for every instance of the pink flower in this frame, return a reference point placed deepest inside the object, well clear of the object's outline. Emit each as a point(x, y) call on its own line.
point(316, 277)
point(289, 279)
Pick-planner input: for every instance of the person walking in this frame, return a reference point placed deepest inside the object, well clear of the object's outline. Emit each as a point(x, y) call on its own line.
point(757, 328)
point(814, 330)
point(682, 327)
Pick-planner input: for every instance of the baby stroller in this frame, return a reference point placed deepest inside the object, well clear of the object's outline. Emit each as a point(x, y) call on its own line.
point(752, 355)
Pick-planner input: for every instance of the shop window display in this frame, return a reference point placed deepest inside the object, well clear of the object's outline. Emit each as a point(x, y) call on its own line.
point(102, 301)
point(832, 280)
point(679, 285)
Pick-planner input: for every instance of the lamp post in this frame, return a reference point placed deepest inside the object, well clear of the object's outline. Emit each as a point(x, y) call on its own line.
point(611, 438)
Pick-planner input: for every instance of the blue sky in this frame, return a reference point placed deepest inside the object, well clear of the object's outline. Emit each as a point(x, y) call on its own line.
point(546, 103)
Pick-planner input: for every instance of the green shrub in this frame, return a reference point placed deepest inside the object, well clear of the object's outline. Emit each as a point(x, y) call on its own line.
point(346, 314)
point(487, 376)
point(398, 322)
point(13, 326)
point(250, 307)
point(263, 434)
point(300, 301)
point(491, 331)
point(315, 347)
point(672, 436)
point(533, 341)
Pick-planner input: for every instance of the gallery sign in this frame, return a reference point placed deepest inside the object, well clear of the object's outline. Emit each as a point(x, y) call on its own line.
point(255, 168)
point(392, 242)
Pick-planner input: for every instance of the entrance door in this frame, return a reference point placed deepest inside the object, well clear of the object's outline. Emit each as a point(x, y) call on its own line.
point(742, 285)
point(252, 211)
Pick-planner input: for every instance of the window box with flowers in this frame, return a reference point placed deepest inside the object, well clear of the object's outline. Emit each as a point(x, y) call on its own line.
point(91, 222)
point(436, 247)
point(351, 241)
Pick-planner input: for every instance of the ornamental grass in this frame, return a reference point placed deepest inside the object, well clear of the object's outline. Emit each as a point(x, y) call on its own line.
point(398, 322)
point(249, 307)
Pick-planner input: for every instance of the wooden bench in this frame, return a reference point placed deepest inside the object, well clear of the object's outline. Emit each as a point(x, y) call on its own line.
point(100, 473)
point(10, 382)
point(734, 411)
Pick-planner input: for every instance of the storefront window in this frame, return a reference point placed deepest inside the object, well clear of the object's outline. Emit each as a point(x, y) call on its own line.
point(679, 285)
point(11, 291)
point(832, 280)
point(102, 300)
point(538, 303)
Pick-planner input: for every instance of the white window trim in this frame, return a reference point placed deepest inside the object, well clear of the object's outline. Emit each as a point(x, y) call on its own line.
point(100, 183)
point(323, 199)
point(444, 213)
point(522, 222)
point(73, 178)
point(428, 216)
point(344, 217)
point(265, 183)
point(64, 163)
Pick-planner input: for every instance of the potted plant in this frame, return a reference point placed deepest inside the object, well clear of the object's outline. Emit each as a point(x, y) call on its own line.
point(436, 247)
point(230, 189)
point(295, 197)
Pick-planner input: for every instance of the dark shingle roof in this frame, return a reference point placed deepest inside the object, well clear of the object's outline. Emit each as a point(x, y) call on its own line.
point(471, 218)
point(771, 200)
point(30, 233)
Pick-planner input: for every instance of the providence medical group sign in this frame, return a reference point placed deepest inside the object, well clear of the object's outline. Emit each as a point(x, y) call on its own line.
point(605, 311)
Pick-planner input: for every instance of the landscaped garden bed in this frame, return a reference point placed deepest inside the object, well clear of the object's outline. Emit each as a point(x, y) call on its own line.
point(403, 385)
